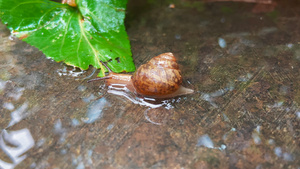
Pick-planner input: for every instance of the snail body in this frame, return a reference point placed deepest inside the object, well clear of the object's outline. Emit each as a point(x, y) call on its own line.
point(158, 78)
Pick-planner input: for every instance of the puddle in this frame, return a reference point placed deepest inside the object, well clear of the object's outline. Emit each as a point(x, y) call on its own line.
point(243, 66)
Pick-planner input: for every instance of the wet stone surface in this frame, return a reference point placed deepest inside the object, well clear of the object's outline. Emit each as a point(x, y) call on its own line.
point(244, 67)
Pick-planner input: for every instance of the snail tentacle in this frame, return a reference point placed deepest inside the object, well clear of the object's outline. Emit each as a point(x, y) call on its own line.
point(102, 78)
point(99, 78)
point(109, 70)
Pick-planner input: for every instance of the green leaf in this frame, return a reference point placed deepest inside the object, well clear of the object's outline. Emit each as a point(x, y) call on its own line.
point(94, 31)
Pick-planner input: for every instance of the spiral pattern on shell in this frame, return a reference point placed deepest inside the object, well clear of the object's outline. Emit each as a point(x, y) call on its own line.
point(160, 76)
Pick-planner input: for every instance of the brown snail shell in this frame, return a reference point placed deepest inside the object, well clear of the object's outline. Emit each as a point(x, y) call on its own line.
point(69, 2)
point(158, 78)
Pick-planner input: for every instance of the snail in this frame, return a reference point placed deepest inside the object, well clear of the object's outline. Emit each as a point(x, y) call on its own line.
point(71, 3)
point(158, 78)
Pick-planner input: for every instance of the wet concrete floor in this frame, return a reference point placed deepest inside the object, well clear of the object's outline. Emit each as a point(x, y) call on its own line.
point(242, 59)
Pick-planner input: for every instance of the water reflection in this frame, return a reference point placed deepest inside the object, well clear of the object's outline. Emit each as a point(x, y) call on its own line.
point(298, 114)
point(124, 90)
point(209, 97)
point(149, 102)
point(17, 93)
point(8, 106)
point(222, 42)
point(89, 98)
point(205, 141)
point(288, 157)
point(278, 151)
point(75, 122)
point(2, 84)
point(161, 116)
point(255, 135)
point(84, 160)
point(15, 144)
point(110, 126)
point(59, 130)
point(284, 155)
point(18, 115)
point(148, 118)
point(70, 71)
point(95, 110)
